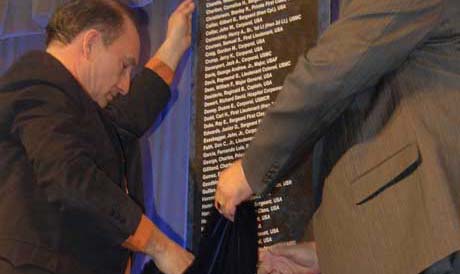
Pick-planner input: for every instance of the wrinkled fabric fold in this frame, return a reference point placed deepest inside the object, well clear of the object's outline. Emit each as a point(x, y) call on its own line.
point(228, 247)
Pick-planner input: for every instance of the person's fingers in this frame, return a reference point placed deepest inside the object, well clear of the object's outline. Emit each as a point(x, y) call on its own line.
point(262, 254)
point(183, 5)
point(231, 190)
point(302, 254)
point(219, 206)
point(295, 251)
point(281, 266)
point(282, 250)
point(190, 257)
point(187, 261)
point(228, 210)
point(264, 269)
point(265, 263)
point(186, 7)
point(189, 8)
point(219, 199)
point(284, 265)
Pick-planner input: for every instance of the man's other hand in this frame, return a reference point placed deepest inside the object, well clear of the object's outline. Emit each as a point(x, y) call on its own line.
point(232, 189)
point(289, 259)
point(168, 256)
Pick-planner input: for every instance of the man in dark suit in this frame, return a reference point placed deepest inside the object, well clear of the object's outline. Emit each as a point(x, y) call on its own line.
point(385, 80)
point(71, 201)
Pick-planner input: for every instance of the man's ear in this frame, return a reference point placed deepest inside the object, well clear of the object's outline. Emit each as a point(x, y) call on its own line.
point(92, 39)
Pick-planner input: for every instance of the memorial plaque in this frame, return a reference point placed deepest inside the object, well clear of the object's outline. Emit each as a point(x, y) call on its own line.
point(246, 48)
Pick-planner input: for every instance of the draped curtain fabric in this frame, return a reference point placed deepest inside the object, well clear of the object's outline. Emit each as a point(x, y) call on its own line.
point(166, 147)
point(21, 28)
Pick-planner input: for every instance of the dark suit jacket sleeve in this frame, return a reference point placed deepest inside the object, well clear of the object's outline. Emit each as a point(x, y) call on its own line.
point(48, 125)
point(136, 112)
point(371, 39)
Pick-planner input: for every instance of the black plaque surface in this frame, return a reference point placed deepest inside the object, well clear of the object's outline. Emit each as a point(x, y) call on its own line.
point(246, 49)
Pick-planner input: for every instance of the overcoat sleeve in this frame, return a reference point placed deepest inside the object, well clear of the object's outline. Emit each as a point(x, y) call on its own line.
point(371, 39)
point(134, 113)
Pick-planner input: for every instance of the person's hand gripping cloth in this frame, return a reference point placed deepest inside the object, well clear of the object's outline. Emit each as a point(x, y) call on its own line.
point(228, 247)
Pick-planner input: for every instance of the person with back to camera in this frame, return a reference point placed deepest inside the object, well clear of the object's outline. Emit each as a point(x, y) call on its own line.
point(382, 87)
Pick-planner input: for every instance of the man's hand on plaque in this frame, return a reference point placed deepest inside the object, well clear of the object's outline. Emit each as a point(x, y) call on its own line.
point(232, 189)
point(289, 259)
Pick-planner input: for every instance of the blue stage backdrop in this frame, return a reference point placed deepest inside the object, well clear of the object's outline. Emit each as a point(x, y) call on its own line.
point(166, 146)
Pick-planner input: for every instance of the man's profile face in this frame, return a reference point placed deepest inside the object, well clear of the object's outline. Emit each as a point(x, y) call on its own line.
point(111, 66)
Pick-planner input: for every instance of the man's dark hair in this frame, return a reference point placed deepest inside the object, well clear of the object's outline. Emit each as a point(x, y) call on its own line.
point(75, 16)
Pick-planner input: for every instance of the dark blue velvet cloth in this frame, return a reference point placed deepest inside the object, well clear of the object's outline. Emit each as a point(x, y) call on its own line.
point(226, 247)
